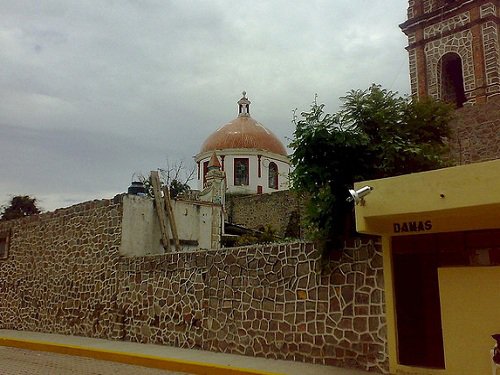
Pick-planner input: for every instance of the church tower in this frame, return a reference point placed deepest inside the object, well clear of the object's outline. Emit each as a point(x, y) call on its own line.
point(453, 48)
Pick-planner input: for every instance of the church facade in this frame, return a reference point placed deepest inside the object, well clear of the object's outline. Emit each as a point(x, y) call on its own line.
point(254, 159)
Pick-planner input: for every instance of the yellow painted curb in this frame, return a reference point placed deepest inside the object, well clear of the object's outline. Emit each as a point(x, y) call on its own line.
point(191, 367)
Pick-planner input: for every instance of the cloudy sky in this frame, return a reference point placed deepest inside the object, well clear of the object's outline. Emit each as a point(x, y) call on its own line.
point(93, 91)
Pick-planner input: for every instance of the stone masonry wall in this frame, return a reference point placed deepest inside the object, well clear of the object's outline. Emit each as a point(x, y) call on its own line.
point(476, 133)
point(267, 301)
point(64, 275)
point(61, 271)
point(281, 210)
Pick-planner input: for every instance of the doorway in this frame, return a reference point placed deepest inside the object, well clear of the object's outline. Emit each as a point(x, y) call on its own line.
point(417, 301)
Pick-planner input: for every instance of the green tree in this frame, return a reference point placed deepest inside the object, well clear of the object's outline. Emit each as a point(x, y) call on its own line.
point(176, 176)
point(177, 188)
point(375, 134)
point(20, 206)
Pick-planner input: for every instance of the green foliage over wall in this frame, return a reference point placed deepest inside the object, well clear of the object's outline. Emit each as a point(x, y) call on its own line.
point(19, 206)
point(375, 134)
point(265, 235)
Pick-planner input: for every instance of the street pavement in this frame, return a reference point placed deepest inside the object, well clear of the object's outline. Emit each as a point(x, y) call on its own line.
point(14, 361)
point(158, 356)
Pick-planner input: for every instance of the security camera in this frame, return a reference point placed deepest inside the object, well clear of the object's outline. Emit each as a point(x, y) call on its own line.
point(357, 195)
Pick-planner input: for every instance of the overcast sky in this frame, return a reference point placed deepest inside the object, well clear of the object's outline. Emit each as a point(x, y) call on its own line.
point(93, 91)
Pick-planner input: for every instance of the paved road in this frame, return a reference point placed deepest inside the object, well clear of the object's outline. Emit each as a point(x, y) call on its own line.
point(15, 361)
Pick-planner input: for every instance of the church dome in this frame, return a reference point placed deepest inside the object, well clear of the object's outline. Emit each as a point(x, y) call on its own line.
point(243, 132)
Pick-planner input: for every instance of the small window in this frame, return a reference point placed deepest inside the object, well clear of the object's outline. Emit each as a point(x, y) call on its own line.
point(4, 245)
point(241, 171)
point(273, 176)
point(205, 171)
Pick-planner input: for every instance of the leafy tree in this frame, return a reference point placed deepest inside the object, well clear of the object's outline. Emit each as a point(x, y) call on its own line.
point(20, 206)
point(176, 176)
point(177, 188)
point(375, 134)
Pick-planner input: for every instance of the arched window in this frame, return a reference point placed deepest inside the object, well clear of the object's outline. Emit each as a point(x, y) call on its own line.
point(452, 80)
point(273, 175)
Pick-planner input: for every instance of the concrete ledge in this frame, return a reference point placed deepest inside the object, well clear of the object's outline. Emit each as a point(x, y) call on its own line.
point(132, 358)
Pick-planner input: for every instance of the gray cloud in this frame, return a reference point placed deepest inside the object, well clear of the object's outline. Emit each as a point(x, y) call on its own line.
point(93, 91)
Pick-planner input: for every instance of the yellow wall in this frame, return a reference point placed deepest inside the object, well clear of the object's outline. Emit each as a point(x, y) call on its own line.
point(470, 313)
point(454, 199)
point(459, 198)
point(470, 310)
point(390, 310)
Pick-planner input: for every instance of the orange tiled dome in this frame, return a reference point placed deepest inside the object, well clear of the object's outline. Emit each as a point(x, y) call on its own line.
point(243, 132)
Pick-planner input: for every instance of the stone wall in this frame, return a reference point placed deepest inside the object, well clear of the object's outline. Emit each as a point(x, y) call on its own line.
point(476, 133)
point(63, 274)
point(61, 271)
point(281, 210)
point(267, 301)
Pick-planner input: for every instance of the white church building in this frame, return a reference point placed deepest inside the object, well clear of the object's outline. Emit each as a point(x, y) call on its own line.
point(254, 159)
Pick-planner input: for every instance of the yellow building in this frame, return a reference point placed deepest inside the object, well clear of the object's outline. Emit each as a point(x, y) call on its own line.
point(441, 242)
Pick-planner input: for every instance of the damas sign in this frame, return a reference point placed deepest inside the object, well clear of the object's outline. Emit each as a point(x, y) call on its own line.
point(412, 226)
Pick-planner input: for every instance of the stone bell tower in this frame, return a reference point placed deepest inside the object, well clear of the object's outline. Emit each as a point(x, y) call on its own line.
point(453, 47)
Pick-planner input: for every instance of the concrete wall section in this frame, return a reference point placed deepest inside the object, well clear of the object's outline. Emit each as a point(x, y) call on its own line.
point(141, 230)
point(198, 226)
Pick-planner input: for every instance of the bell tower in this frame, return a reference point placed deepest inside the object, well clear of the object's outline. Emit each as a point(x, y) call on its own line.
point(453, 48)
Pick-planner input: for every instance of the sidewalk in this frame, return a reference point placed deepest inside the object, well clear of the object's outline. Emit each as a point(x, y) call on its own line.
point(163, 357)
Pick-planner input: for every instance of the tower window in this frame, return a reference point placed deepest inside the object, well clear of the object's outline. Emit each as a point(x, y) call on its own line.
point(241, 171)
point(452, 81)
point(273, 176)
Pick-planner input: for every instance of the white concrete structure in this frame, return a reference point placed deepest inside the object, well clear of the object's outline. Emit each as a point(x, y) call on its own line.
point(254, 159)
point(199, 225)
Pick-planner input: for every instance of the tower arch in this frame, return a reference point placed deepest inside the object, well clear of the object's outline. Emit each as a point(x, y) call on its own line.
point(471, 30)
point(451, 79)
